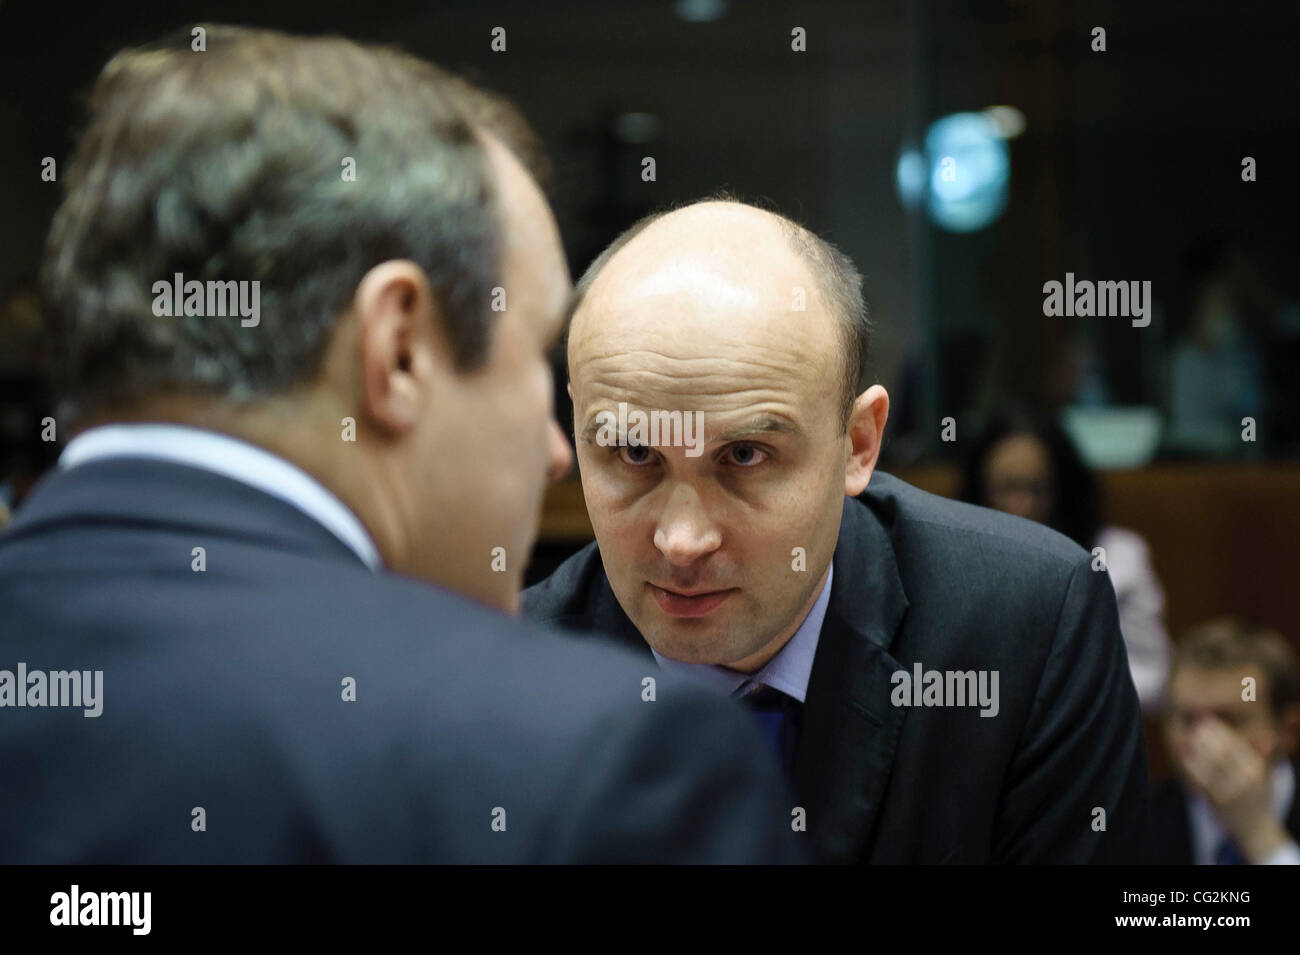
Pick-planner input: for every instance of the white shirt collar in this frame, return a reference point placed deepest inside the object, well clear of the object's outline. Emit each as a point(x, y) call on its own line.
point(232, 458)
point(788, 671)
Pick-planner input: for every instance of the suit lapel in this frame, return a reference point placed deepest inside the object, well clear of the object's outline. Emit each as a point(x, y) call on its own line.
point(850, 730)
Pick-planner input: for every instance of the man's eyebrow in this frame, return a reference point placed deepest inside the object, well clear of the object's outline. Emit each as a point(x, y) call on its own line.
point(593, 426)
point(762, 424)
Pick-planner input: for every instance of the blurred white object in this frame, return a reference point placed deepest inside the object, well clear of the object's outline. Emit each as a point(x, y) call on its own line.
point(1141, 602)
point(1114, 436)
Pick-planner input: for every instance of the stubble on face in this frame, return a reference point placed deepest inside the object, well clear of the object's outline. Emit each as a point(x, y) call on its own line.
point(698, 313)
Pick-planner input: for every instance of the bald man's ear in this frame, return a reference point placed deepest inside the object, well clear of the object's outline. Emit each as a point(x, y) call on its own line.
point(401, 344)
point(865, 434)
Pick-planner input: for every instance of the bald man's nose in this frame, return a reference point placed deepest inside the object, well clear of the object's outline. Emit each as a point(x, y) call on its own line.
point(685, 533)
point(560, 454)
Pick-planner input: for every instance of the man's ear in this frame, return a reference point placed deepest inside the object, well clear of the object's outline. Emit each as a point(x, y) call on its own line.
point(865, 433)
point(401, 342)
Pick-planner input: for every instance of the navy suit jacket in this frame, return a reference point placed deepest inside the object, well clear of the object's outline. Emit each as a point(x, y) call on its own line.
point(922, 579)
point(223, 689)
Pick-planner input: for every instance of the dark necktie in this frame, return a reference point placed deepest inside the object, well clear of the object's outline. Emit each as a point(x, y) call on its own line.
point(1228, 854)
point(778, 717)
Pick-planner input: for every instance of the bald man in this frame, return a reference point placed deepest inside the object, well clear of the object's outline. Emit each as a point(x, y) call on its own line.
point(943, 683)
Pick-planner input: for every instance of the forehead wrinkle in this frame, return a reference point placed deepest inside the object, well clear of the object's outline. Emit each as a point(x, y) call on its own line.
point(715, 384)
point(754, 396)
point(703, 380)
point(781, 360)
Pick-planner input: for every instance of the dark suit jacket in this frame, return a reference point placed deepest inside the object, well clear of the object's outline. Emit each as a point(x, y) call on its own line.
point(919, 578)
point(223, 690)
point(1169, 841)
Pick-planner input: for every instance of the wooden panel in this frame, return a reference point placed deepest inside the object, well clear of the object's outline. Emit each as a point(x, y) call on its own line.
point(564, 514)
point(1223, 538)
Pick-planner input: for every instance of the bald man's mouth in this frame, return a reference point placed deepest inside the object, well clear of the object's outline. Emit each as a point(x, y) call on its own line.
point(696, 603)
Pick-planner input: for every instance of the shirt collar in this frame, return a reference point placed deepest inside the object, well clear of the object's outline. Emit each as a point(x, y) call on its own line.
point(788, 671)
point(232, 458)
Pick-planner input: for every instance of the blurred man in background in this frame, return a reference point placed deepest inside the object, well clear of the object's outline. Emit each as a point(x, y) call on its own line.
point(1231, 729)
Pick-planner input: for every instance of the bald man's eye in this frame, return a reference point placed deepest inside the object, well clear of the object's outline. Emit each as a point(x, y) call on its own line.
point(746, 455)
point(636, 455)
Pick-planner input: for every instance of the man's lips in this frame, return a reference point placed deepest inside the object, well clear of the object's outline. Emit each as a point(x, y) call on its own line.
point(696, 603)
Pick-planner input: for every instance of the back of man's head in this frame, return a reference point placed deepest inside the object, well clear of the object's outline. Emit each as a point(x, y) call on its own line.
point(296, 163)
point(307, 243)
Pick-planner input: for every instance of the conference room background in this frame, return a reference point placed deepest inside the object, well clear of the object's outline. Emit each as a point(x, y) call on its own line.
point(964, 154)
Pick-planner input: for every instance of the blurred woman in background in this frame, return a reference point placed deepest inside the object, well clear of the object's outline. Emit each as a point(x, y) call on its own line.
point(1023, 463)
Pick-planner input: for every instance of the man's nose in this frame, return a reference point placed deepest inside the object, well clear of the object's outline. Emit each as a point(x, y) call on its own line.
point(685, 533)
point(560, 454)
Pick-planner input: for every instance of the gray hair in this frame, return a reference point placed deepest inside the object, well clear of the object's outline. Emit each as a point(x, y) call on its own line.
point(226, 165)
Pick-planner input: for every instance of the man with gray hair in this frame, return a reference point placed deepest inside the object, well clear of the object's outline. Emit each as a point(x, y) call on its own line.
point(256, 532)
point(943, 683)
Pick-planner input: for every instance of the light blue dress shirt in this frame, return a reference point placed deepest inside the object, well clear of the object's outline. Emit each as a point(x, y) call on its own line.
point(232, 458)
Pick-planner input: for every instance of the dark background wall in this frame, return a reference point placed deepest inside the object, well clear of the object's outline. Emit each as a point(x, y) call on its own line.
point(1128, 156)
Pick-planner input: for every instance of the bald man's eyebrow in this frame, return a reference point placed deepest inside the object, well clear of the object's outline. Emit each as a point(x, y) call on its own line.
point(762, 424)
point(593, 426)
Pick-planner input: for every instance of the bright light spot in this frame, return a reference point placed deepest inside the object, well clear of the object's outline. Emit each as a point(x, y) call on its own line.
point(700, 11)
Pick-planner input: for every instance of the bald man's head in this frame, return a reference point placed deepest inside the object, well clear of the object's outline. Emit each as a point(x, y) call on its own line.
point(835, 278)
point(733, 323)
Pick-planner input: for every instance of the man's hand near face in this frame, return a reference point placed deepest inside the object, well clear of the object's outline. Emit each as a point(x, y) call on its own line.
point(1235, 779)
